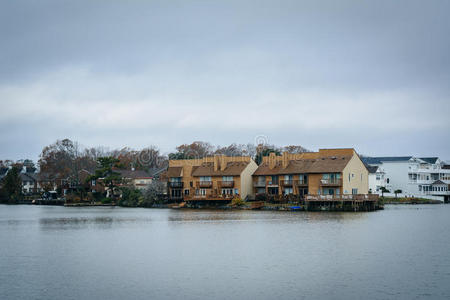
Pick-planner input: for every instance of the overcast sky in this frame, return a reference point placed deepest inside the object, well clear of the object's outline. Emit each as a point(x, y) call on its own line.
point(373, 75)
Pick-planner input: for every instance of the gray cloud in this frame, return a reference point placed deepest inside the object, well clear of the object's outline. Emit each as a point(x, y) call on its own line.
point(373, 75)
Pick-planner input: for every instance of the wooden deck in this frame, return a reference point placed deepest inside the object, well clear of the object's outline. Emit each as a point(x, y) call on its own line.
point(342, 198)
point(210, 197)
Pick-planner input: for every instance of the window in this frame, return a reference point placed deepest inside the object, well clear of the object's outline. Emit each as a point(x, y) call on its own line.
point(378, 176)
point(227, 191)
point(176, 193)
point(303, 178)
point(186, 192)
point(175, 179)
point(288, 191)
point(354, 191)
point(262, 180)
point(227, 178)
point(274, 179)
point(236, 191)
point(205, 178)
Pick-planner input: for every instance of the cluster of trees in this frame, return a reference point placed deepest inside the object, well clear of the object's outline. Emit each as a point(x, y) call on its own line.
point(202, 149)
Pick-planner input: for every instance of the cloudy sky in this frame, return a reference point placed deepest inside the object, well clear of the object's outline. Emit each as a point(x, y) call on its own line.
point(373, 75)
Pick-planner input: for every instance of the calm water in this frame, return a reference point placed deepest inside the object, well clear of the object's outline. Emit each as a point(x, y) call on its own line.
point(48, 252)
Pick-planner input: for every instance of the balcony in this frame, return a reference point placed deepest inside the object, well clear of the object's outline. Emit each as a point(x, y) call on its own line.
point(301, 183)
point(210, 197)
point(260, 184)
point(176, 184)
point(226, 184)
point(331, 182)
point(272, 183)
point(204, 184)
point(286, 182)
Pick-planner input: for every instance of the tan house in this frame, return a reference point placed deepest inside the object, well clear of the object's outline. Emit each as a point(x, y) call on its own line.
point(136, 178)
point(211, 178)
point(327, 172)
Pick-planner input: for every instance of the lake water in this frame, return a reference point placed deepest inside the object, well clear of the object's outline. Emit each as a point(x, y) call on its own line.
point(51, 252)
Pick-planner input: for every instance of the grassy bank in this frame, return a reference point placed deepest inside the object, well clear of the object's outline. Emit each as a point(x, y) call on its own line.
point(408, 200)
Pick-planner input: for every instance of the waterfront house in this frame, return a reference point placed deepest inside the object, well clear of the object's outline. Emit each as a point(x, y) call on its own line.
point(136, 178)
point(215, 178)
point(423, 177)
point(331, 172)
point(29, 183)
point(377, 179)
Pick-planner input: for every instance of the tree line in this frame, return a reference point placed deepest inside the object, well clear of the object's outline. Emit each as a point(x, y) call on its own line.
point(65, 158)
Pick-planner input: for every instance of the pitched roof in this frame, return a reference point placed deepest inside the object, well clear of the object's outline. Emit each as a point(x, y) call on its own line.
point(430, 160)
point(3, 171)
point(134, 174)
point(232, 169)
point(28, 176)
point(438, 182)
point(372, 169)
point(378, 160)
point(174, 171)
point(320, 165)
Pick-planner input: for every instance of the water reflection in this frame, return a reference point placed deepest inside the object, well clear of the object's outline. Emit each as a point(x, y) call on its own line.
point(102, 253)
point(258, 216)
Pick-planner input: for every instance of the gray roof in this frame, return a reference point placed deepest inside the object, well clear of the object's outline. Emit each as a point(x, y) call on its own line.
point(438, 182)
point(3, 171)
point(28, 176)
point(430, 160)
point(372, 169)
point(378, 160)
point(134, 174)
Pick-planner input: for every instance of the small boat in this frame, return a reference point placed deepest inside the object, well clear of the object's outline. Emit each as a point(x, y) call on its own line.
point(294, 208)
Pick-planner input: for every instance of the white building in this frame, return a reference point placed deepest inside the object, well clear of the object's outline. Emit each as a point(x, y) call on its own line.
point(377, 179)
point(425, 177)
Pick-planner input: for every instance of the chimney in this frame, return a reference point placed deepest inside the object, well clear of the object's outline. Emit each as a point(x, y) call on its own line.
point(223, 164)
point(285, 160)
point(272, 160)
point(216, 163)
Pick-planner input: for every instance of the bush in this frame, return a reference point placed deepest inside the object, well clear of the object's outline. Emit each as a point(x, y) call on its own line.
point(106, 200)
point(237, 202)
point(131, 197)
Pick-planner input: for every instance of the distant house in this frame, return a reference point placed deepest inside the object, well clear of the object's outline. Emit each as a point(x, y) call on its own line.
point(423, 177)
point(139, 179)
point(48, 181)
point(29, 183)
point(377, 179)
point(3, 171)
point(136, 178)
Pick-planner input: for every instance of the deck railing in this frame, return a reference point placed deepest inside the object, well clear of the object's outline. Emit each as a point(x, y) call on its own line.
point(226, 184)
point(259, 184)
point(176, 184)
point(328, 182)
point(287, 182)
point(300, 182)
point(210, 197)
point(204, 184)
point(357, 197)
